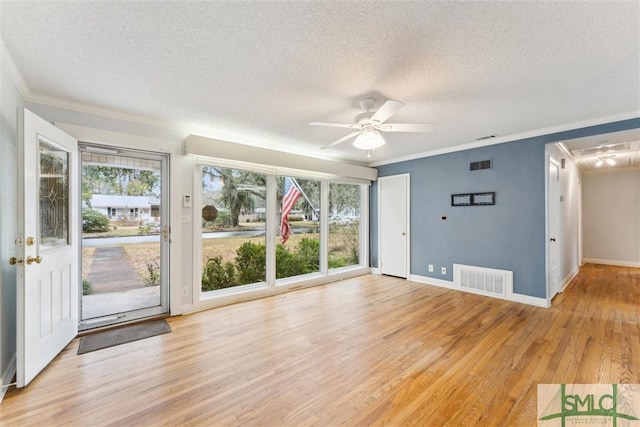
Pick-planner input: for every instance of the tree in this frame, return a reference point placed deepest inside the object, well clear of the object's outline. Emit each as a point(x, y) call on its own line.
point(343, 197)
point(311, 189)
point(237, 190)
point(116, 180)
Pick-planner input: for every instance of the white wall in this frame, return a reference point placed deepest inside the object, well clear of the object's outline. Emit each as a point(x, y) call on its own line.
point(87, 127)
point(611, 217)
point(11, 101)
point(131, 135)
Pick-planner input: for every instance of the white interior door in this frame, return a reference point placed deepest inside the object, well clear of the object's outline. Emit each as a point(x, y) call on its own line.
point(554, 221)
point(393, 225)
point(48, 245)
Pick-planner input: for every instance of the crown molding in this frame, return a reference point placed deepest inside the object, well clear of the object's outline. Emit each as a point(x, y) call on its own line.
point(9, 66)
point(514, 137)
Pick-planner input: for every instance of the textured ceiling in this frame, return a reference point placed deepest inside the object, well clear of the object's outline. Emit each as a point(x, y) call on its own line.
point(259, 72)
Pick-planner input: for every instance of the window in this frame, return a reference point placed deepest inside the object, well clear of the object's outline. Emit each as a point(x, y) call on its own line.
point(344, 224)
point(298, 243)
point(261, 228)
point(233, 231)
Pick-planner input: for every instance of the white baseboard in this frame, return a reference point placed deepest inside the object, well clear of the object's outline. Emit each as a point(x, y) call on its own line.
point(565, 282)
point(523, 299)
point(7, 376)
point(375, 270)
point(611, 262)
point(529, 300)
point(432, 281)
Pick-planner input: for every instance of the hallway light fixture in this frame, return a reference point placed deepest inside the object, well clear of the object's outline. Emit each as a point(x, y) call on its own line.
point(606, 159)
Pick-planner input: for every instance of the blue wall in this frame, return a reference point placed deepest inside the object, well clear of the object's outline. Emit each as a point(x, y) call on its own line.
point(509, 235)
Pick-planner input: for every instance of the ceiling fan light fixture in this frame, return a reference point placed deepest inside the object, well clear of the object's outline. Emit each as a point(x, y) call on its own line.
point(369, 139)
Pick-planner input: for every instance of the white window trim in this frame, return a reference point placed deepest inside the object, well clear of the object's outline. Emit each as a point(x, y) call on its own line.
point(271, 286)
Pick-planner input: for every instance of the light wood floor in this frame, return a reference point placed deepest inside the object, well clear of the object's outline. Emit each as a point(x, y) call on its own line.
point(366, 351)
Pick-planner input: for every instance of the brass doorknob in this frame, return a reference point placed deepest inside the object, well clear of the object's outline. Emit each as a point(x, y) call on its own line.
point(13, 261)
point(31, 259)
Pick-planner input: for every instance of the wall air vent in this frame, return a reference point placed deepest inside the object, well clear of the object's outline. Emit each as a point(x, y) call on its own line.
point(480, 280)
point(480, 165)
point(482, 138)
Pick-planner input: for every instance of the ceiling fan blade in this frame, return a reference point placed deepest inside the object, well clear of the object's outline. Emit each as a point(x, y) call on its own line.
point(387, 110)
point(341, 140)
point(335, 125)
point(407, 127)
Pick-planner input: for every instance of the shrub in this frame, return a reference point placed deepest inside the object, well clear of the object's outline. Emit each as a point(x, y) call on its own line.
point(337, 262)
point(144, 230)
point(218, 275)
point(347, 242)
point(87, 287)
point(286, 263)
point(152, 277)
point(223, 219)
point(308, 255)
point(94, 221)
point(250, 263)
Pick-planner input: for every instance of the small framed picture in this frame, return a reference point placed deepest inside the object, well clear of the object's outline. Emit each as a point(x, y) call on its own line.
point(474, 199)
point(461, 199)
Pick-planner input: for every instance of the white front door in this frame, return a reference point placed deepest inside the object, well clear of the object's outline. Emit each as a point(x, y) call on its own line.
point(553, 224)
point(393, 225)
point(48, 245)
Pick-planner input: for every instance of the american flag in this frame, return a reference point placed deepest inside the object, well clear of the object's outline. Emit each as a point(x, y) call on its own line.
point(291, 193)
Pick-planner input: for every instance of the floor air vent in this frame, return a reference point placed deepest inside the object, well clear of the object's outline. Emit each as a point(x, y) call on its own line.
point(482, 280)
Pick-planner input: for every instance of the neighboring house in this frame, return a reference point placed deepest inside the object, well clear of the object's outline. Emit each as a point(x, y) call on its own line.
point(258, 214)
point(127, 208)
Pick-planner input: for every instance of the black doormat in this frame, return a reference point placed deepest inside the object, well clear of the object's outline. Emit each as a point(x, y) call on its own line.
point(122, 335)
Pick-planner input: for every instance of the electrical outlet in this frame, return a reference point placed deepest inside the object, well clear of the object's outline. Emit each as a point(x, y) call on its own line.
point(184, 292)
point(430, 268)
point(444, 270)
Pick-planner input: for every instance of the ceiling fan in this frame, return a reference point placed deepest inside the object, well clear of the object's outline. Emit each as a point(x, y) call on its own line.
point(369, 124)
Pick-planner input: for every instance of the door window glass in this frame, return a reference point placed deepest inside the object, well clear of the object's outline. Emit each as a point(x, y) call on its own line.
point(54, 196)
point(124, 271)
